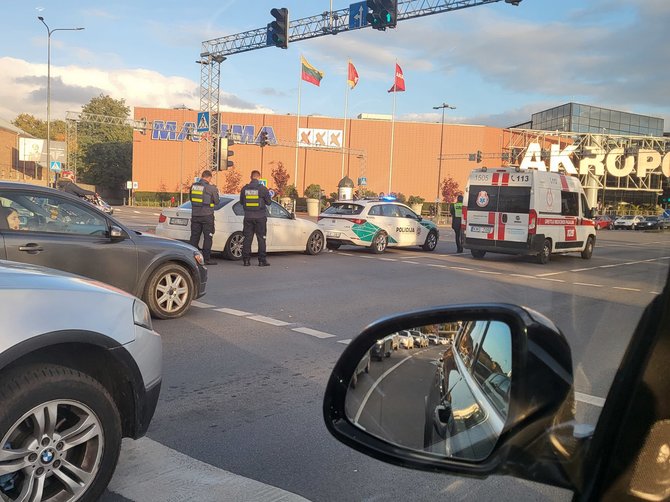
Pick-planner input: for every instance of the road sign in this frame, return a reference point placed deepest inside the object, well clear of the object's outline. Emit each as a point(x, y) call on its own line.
point(263, 181)
point(362, 182)
point(135, 185)
point(55, 166)
point(358, 15)
point(203, 121)
point(129, 185)
point(272, 193)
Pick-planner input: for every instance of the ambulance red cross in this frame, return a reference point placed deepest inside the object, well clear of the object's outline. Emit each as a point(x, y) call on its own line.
point(528, 212)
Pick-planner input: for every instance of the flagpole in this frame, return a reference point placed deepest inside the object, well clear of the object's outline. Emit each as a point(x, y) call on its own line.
point(297, 129)
point(395, 91)
point(346, 105)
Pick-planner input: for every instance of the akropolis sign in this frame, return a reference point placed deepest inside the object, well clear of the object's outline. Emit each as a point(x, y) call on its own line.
point(616, 161)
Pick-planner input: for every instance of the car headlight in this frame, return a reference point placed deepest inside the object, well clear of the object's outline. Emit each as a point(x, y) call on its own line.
point(199, 258)
point(141, 315)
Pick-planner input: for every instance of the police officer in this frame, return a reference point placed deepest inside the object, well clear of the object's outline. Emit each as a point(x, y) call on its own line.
point(456, 211)
point(204, 197)
point(254, 198)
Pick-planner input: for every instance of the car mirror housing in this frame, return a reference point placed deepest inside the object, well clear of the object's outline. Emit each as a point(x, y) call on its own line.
point(116, 233)
point(497, 399)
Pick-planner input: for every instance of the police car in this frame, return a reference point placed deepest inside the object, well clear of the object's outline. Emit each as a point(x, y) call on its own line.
point(376, 224)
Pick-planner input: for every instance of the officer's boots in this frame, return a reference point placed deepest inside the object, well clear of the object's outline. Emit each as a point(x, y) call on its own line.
point(263, 263)
point(247, 262)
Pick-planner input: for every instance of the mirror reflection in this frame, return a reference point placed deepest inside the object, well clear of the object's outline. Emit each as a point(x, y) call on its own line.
point(440, 388)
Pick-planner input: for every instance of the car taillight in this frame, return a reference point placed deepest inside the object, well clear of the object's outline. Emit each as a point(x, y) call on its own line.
point(162, 218)
point(357, 221)
point(532, 222)
point(464, 217)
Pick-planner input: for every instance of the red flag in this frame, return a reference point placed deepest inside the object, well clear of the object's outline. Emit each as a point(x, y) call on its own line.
point(399, 83)
point(352, 78)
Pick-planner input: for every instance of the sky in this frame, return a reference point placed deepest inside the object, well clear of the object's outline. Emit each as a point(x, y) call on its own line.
point(496, 63)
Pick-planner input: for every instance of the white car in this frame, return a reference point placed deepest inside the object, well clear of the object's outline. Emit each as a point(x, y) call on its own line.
point(80, 368)
point(628, 222)
point(376, 224)
point(406, 340)
point(285, 232)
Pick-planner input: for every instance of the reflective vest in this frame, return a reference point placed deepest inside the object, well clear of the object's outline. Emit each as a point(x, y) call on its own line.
point(200, 197)
point(251, 198)
point(458, 210)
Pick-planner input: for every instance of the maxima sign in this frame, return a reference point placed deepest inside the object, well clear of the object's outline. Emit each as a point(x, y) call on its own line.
point(616, 161)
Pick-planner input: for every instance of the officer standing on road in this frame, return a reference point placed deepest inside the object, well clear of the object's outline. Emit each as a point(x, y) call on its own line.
point(456, 211)
point(255, 198)
point(204, 197)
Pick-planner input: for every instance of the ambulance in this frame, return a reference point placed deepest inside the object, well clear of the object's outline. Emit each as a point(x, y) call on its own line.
point(526, 212)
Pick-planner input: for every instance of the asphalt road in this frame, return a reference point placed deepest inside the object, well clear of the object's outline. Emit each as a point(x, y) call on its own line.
point(245, 369)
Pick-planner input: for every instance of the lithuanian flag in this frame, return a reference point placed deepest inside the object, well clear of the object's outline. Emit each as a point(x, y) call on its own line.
point(309, 73)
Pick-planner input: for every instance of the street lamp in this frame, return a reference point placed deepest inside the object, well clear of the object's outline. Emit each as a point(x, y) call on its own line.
point(443, 106)
point(49, 32)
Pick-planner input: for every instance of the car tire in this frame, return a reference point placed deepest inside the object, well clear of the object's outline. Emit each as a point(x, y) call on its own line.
point(65, 398)
point(169, 291)
point(379, 243)
point(478, 253)
point(588, 249)
point(333, 245)
point(431, 241)
point(315, 243)
point(233, 249)
point(545, 254)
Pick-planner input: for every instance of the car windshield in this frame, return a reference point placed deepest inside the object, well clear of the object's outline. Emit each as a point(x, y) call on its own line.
point(344, 208)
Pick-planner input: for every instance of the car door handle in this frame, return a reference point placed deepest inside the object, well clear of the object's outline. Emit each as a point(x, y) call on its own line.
point(31, 248)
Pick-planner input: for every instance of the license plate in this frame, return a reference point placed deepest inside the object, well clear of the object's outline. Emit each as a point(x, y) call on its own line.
point(332, 234)
point(179, 221)
point(481, 229)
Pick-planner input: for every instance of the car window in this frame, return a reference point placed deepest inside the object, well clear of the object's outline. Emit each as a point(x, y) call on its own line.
point(493, 365)
point(482, 198)
point(375, 211)
point(238, 209)
point(514, 200)
point(276, 211)
point(469, 341)
point(390, 210)
point(51, 213)
point(570, 203)
point(344, 208)
point(405, 212)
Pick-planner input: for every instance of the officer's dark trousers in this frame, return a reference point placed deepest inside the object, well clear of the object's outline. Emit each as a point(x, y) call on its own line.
point(204, 225)
point(257, 227)
point(459, 238)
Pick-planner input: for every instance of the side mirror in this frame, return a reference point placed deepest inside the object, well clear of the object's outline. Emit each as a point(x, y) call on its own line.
point(496, 399)
point(293, 216)
point(116, 233)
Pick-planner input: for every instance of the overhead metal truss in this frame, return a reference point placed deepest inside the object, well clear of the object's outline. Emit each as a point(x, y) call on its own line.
point(214, 52)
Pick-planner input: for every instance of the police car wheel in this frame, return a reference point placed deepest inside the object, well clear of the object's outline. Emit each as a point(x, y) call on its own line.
point(588, 250)
point(431, 242)
point(233, 249)
point(477, 253)
point(545, 254)
point(379, 243)
point(169, 291)
point(315, 243)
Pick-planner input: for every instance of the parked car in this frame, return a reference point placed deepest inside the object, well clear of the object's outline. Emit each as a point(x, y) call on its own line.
point(434, 340)
point(383, 348)
point(628, 222)
point(363, 367)
point(64, 232)
point(501, 400)
point(406, 340)
point(420, 339)
point(376, 224)
point(285, 232)
point(80, 368)
point(604, 222)
point(650, 223)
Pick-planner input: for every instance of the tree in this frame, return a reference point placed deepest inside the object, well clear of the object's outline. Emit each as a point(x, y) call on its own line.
point(232, 180)
point(96, 162)
point(280, 177)
point(38, 127)
point(450, 190)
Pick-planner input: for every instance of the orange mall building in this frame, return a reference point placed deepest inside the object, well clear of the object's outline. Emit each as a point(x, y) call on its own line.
point(168, 152)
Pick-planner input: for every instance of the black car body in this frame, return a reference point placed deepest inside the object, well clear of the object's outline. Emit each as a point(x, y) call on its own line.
point(61, 231)
point(650, 223)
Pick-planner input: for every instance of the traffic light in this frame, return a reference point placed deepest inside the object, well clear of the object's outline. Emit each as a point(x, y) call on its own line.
point(277, 32)
point(382, 14)
point(263, 139)
point(224, 154)
point(479, 156)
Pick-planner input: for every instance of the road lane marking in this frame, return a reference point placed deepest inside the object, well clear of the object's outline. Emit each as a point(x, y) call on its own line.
point(412, 262)
point(550, 279)
point(346, 254)
point(583, 269)
point(550, 273)
point(609, 266)
point(587, 284)
point(238, 313)
point(524, 276)
point(313, 332)
point(462, 268)
point(489, 272)
point(374, 386)
point(437, 265)
point(268, 320)
point(148, 470)
point(202, 305)
point(345, 342)
point(137, 212)
point(627, 289)
point(589, 399)
point(388, 259)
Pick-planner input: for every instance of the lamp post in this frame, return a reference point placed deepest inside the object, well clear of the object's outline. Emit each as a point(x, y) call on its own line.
point(443, 106)
point(49, 32)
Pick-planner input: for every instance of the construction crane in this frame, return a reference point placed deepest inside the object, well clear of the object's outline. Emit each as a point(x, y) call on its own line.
point(332, 22)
